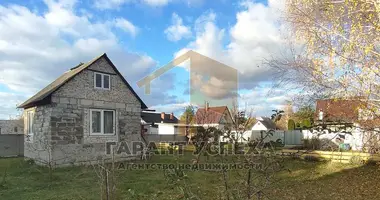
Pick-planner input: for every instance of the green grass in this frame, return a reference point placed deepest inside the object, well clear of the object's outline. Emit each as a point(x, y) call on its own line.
point(302, 180)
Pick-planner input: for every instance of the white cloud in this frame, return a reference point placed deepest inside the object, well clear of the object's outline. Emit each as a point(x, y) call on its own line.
point(254, 37)
point(116, 4)
point(110, 4)
point(30, 57)
point(127, 26)
point(8, 102)
point(177, 30)
point(156, 2)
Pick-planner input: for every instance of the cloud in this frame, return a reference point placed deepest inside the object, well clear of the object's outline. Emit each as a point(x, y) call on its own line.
point(30, 57)
point(177, 30)
point(116, 4)
point(110, 4)
point(156, 2)
point(8, 102)
point(127, 26)
point(261, 100)
point(254, 37)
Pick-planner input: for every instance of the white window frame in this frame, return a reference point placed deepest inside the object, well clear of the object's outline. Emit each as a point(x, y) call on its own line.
point(102, 81)
point(102, 122)
point(29, 124)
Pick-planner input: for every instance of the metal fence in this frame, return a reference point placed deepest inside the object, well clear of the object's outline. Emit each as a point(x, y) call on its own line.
point(11, 145)
point(288, 138)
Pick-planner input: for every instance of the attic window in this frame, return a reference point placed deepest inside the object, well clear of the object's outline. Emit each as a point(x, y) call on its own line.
point(102, 81)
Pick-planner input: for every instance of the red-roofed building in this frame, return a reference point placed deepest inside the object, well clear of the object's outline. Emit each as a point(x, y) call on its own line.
point(213, 116)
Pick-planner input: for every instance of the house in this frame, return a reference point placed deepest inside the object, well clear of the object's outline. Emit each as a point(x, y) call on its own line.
point(71, 119)
point(219, 117)
point(159, 123)
point(11, 127)
point(346, 121)
point(264, 124)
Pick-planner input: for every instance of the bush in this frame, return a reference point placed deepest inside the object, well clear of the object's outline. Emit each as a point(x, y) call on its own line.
point(319, 144)
point(306, 123)
point(291, 125)
point(311, 158)
point(356, 160)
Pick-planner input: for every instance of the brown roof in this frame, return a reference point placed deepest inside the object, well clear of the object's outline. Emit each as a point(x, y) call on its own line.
point(212, 116)
point(345, 110)
point(55, 85)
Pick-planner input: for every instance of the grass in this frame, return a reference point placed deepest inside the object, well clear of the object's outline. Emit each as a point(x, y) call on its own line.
point(302, 180)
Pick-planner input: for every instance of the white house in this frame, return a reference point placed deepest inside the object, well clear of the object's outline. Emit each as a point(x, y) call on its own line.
point(156, 123)
point(264, 124)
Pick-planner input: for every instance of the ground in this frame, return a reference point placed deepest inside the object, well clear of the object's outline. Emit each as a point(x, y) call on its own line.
point(301, 180)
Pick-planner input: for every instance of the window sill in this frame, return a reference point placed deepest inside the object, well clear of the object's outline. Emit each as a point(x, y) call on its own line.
point(99, 88)
point(102, 135)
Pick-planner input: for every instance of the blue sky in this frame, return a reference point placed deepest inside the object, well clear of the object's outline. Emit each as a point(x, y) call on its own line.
point(41, 39)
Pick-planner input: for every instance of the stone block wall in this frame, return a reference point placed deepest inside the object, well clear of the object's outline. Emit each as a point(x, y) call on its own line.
point(66, 121)
point(38, 145)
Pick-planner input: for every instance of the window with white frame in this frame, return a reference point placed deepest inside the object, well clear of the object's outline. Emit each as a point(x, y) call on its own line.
point(102, 122)
point(29, 124)
point(102, 81)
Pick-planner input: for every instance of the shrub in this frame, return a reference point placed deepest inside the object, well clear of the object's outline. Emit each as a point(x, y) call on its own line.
point(356, 160)
point(320, 144)
point(306, 123)
point(291, 125)
point(311, 158)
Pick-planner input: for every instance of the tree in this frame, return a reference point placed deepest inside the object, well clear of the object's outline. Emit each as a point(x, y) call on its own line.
point(334, 51)
point(187, 118)
point(291, 125)
point(305, 113)
point(188, 115)
point(276, 116)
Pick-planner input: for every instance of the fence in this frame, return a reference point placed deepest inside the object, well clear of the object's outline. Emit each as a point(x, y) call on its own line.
point(11, 145)
point(288, 138)
point(341, 157)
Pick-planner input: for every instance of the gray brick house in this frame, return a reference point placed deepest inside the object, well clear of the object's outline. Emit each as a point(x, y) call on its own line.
point(70, 120)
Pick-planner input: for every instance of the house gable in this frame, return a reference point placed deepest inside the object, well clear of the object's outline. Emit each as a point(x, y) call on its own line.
point(100, 64)
point(82, 86)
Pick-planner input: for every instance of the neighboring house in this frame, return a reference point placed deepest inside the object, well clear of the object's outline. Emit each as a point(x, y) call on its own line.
point(11, 126)
point(71, 119)
point(219, 117)
point(159, 123)
point(264, 124)
point(345, 121)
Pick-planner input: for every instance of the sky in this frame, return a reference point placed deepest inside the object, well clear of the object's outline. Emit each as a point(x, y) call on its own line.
point(41, 39)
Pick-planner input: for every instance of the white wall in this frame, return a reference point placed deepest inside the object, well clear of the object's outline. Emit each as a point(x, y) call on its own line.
point(152, 130)
point(356, 140)
point(167, 129)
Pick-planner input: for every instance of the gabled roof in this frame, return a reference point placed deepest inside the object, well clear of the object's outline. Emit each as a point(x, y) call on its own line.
point(267, 122)
point(153, 117)
point(67, 76)
point(212, 116)
point(339, 109)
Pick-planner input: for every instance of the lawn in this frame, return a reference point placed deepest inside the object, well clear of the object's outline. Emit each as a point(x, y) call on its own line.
point(300, 180)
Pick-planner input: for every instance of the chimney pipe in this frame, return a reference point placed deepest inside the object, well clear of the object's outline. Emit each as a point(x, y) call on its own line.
point(171, 116)
point(163, 115)
point(207, 105)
